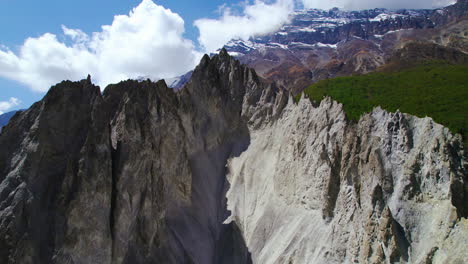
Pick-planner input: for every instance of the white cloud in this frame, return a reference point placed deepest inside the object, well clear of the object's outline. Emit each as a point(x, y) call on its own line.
point(7, 105)
point(367, 4)
point(148, 42)
point(258, 18)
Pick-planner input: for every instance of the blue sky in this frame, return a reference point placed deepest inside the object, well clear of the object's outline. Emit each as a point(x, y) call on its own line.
point(20, 19)
point(44, 42)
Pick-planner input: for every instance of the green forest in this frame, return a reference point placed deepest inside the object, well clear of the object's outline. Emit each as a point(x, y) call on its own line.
point(435, 89)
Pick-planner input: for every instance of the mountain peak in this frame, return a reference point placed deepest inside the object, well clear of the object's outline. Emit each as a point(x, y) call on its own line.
point(223, 52)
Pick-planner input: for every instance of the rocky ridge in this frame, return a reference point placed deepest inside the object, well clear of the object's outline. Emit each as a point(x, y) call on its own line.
point(139, 174)
point(391, 188)
point(135, 175)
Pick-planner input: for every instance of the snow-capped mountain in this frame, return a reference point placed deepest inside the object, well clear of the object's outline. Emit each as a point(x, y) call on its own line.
point(320, 44)
point(330, 27)
point(179, 81)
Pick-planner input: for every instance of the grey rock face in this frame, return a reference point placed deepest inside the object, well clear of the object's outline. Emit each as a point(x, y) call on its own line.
point(136, 175)
point(55, 173)
point(169, 164)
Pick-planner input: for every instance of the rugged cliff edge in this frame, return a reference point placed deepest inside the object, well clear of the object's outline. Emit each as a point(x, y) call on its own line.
point(315, 188)
point(136, 175)
point(139, 174)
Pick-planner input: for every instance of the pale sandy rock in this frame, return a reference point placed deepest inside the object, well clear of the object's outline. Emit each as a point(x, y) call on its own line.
point(314, 188)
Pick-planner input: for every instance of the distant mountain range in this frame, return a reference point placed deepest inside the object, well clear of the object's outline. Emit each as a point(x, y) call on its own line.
point(4, 118)
point(320, 44)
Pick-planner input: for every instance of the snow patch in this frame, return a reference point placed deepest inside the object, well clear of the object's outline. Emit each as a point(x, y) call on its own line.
point(322, 45)
point(301, 44)
point(172, 82)
point(384, 16)
point(235, 54)
point(278, 45)
point(394, 31)
point(307, 30)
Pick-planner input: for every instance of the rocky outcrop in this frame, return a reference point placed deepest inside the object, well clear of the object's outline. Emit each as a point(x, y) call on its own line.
point(417, 53)
point(136, 175)
point(139, 174)
point(391, 188)
point(55, 173)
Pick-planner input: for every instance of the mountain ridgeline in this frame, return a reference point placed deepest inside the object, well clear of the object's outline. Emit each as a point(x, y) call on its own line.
point(135, 175)
point(226, 170)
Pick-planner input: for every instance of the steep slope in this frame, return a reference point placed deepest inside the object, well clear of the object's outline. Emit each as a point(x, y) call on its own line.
point(314, 188)
point(55, 173)
point(168, 171)
point(136, 175)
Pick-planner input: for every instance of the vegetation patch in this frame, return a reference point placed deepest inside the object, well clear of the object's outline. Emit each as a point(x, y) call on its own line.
point(435, 89)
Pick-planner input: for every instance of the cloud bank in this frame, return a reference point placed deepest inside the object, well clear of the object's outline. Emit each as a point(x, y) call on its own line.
point(368, 4)
point(256, 19)
point(7, 105)
point(148, 42)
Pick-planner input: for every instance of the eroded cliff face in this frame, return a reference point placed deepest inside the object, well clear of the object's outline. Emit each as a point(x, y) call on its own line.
point(314, 188)
point(136, 175)
point(55, 173)
point(139, 174)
